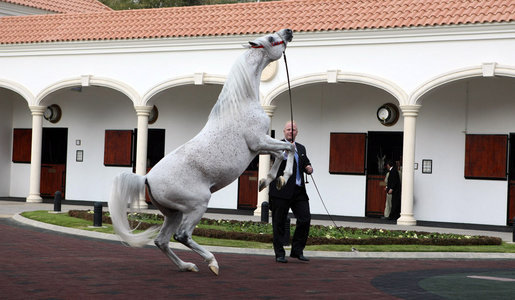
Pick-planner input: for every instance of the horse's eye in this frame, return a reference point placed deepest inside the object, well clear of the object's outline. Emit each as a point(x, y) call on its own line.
point(271, 39)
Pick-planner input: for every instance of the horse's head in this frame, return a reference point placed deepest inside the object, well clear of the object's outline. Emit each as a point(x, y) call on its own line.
point(273, 44)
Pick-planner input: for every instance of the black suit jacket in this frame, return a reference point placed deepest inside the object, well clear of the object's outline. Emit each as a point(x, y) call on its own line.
point(394, 181)
point(287, 191)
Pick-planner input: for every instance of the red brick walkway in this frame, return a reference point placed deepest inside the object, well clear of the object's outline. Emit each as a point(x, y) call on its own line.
point(37, 264)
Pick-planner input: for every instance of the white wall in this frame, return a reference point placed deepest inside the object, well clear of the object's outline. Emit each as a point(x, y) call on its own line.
point(140, 70)
point(406, 57)
point(183, 111)
point(483, 106)
point(20, 172)
point(6, 100)
point(400, 56)
point(87, 115)
point(9, 9)
point(320, 109)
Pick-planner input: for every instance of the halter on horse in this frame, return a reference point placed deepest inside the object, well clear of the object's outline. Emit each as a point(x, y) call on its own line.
point(181, 184)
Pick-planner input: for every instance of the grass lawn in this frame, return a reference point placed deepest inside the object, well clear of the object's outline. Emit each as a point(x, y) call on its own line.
point(63, 219)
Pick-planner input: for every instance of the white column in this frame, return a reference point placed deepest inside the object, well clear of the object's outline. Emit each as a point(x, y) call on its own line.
point(410, 113)
point(35, 156)
point(141, 148)
point(264, 167)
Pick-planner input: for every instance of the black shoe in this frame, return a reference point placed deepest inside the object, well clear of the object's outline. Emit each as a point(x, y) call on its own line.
point(281, 259)
point(299, 257)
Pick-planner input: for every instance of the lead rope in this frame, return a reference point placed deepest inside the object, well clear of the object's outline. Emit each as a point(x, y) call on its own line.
point(319, 196)
point(293, 140)
point(289, 94)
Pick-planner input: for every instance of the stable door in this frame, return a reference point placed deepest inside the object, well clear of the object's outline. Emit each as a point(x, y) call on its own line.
point(53, 161)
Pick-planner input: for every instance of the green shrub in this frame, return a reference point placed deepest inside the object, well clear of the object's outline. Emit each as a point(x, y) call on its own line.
point(319, 235)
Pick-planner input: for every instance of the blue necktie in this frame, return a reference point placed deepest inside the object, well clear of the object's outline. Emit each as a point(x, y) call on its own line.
point(298, 181)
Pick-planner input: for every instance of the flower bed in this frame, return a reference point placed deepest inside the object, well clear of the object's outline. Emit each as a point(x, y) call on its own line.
point(319, 235)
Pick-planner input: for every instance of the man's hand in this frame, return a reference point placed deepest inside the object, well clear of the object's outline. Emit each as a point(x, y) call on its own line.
point(309, 169)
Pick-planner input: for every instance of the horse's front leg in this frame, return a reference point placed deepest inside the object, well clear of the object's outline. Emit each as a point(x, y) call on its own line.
point(266, 144)
point(288, 170)
point(264, 182)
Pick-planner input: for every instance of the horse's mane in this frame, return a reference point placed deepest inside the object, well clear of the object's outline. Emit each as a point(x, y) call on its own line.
point(240, 85)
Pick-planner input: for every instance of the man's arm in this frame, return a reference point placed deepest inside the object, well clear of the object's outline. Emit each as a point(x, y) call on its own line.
point(305, 160)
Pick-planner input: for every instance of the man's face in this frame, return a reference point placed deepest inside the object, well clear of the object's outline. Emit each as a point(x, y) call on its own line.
point(290, 135)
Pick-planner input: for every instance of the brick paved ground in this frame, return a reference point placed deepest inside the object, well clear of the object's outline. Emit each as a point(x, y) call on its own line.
point(39, 264)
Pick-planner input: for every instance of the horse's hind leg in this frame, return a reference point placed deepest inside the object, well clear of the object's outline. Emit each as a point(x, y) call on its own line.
point(171, 223)
point(189, 221)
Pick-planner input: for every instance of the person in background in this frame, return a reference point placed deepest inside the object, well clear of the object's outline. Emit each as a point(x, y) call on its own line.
point(394, 188)
point(388, 202)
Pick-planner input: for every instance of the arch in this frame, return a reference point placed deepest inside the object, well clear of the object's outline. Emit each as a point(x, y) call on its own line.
point(195, 79)
point(484, 70)
point(336, 76)
point(89, 80)
point(17, 88)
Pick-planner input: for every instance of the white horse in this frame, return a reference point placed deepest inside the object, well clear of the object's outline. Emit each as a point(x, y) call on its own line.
point(380, 161)
point(181, 184)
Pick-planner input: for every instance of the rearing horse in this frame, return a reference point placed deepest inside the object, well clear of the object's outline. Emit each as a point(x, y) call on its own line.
point(181, 184)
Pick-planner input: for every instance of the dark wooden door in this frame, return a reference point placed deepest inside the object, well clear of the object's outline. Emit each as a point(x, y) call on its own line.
point(486, 156)
point(347, 153)
point(53, 161)
point(376, 195)
point(511, 180)
point(53, 178)
point(387, 144)
point(511, 202)
point(248, 190)
point(155, 150)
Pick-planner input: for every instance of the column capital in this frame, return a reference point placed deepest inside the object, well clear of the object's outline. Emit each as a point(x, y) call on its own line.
point(142, 110)
point(410, 110)
point(269, 109)
point(37, 110)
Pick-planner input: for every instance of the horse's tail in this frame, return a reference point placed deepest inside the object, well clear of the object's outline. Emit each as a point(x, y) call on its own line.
point(126, 190)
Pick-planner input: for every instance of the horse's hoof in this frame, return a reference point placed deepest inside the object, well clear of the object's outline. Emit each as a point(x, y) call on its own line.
point(262, 184)
point(190, 268)
point(214, 269)
point(280, 183)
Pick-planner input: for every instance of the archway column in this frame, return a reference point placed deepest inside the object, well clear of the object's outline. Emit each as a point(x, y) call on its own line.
point(141, 147)
point(410, 113)
point(264, 167)
point(35, 156)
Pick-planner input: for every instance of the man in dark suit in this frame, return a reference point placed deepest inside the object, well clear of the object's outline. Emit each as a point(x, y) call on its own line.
point(293, 195)
point(394, 188)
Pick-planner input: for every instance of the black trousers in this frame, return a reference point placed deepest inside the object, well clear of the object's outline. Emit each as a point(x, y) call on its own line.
point(396, 206)
point(300, 208)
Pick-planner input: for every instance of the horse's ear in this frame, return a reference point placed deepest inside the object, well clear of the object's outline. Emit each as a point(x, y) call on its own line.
point(253, 44)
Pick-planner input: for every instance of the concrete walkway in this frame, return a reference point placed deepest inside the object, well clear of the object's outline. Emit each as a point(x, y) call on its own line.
point(41, 261)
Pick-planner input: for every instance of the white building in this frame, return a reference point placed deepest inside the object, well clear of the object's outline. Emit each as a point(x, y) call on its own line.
point(446, 66)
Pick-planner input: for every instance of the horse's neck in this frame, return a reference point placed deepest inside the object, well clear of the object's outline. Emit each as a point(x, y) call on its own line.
point(245, 74)
point(241, 87)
